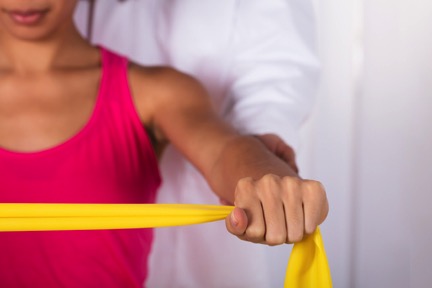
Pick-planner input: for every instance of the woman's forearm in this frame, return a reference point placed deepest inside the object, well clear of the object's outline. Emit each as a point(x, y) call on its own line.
point(244, 156)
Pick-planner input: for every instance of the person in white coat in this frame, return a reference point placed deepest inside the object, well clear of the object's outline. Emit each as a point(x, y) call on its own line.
point(257, 60)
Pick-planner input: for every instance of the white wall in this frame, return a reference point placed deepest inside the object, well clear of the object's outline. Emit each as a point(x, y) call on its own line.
point(370, 141)
point(327, 149)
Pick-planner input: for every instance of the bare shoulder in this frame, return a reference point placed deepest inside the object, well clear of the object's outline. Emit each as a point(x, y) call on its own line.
point(164, 97)
point(163, 85)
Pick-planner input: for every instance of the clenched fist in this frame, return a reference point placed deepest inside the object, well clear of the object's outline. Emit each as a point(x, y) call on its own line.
point(275, 210)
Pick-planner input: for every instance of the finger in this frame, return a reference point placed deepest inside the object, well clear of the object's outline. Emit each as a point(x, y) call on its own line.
point(315, 205)
point(274, 215)
point(293, 209)
point(237, 222)
point(246, 198)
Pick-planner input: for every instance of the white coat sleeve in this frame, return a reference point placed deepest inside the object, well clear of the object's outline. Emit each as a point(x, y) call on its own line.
point(275, 69)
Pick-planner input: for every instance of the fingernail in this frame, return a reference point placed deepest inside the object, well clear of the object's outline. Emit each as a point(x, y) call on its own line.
point(234, 220)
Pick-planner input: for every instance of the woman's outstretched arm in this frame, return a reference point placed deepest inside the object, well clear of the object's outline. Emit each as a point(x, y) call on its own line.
point(273, 204)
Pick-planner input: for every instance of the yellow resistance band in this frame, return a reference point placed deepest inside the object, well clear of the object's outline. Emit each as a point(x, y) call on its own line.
point(307, 266)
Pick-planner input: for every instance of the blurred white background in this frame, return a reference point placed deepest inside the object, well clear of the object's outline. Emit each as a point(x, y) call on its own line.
point(369, 140)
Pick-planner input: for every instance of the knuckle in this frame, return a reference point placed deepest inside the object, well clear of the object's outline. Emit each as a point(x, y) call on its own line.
point(295, 236)
point(274, 239)
point(243, 188)
point(309, 229)
point(292, 188)
point(314, 186)
point(269, 186)
point(314, 189)
point(269, 178)
point(291, 183)
point(246, 183)
point(255, 234)
point(268, 181)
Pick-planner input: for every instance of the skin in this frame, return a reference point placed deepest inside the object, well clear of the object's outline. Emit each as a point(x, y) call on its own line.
point(49, 77)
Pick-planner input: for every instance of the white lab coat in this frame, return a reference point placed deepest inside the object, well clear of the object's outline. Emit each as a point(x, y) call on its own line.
point(258, 61)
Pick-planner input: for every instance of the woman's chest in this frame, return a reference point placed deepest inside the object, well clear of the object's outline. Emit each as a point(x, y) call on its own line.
point(39, 112)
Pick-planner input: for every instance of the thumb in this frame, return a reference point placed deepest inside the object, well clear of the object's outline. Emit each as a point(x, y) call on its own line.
point(237, 222)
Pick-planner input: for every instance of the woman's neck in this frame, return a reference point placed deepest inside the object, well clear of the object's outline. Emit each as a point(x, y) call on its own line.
point(65, 48)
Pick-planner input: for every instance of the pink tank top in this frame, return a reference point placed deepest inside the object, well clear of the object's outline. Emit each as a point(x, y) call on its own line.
point(110, 160)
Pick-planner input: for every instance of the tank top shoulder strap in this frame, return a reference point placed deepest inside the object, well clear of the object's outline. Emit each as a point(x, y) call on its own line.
point(113, 62)
point(116, 85)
